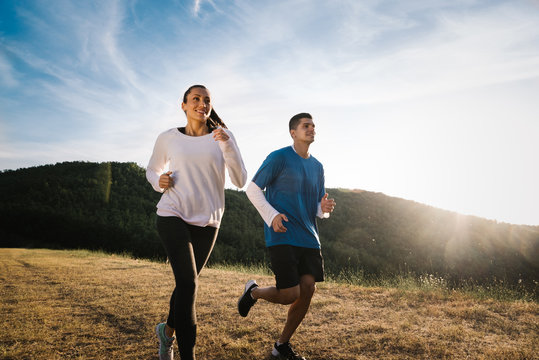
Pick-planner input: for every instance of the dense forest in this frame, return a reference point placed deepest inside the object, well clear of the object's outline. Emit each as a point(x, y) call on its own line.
point(111, 206)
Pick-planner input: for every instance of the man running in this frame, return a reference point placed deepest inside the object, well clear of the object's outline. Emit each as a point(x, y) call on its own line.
point(295, 196)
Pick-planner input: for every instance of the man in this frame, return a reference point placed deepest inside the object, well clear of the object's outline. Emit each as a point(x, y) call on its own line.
point(295, 195)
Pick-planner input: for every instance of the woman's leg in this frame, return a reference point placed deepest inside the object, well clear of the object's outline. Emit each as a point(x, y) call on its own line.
point(188, 247)
point(203, 240)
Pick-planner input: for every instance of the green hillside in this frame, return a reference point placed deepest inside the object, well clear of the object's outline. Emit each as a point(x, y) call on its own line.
point(110, 206)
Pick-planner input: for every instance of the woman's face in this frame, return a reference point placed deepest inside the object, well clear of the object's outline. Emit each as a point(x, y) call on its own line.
point(198, 105)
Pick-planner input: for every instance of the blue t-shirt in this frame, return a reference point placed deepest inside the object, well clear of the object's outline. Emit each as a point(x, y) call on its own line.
point(294, 187)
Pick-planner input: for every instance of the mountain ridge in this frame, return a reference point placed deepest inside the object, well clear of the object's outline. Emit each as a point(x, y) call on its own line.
point(111, 206)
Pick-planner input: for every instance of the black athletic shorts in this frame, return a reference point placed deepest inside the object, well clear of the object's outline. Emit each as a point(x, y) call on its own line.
point(289, 263)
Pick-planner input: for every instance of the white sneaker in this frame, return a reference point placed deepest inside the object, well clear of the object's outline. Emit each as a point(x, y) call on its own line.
point(165, 343)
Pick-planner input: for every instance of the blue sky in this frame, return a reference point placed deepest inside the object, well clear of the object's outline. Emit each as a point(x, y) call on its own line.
point(432, 101)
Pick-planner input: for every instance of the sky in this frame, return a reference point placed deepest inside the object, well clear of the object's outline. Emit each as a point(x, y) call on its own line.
point(427, 100)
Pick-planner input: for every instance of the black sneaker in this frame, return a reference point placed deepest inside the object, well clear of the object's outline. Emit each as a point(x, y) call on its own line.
point(246, 301)
point(285, 351)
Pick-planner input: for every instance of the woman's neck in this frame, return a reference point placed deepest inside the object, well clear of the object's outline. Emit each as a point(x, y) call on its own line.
point(196, 128)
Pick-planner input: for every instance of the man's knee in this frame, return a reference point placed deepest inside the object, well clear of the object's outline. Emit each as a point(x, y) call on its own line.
point(308, 287)
point(288, 296)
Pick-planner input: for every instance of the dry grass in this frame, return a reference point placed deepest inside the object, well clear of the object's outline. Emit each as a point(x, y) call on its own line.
point(82, 305)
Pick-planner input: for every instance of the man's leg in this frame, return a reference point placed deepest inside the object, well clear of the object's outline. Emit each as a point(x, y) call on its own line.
point(284, 264)
point(277, 296)
point(299, 308)
point(271, 294)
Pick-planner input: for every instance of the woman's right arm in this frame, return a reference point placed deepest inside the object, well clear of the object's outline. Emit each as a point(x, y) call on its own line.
point(157, 164)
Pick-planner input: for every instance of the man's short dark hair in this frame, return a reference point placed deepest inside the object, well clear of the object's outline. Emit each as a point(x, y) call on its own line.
point(294, 121)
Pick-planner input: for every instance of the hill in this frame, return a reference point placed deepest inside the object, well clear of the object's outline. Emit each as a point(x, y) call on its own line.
point(110, 206)
point(82, 305)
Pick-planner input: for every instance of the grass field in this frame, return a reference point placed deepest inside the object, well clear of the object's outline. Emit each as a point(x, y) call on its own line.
point(84, 305)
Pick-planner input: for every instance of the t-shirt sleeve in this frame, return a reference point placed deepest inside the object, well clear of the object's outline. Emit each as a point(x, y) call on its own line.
point(322, 180)
point(321, 193)
point(269, 170)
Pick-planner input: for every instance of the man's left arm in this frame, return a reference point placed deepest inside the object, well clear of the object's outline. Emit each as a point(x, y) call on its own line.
point(325, 207)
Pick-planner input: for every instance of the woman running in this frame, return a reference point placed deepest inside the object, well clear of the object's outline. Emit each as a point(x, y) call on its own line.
point(191, 207)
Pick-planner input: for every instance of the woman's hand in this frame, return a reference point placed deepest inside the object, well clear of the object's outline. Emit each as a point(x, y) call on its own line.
point(220, 134)
point(165, 181)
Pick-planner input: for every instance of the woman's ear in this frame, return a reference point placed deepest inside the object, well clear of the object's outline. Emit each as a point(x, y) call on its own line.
point(183, 106)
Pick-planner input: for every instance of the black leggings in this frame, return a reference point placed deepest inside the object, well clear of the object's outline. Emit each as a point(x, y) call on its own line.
point(188, 248)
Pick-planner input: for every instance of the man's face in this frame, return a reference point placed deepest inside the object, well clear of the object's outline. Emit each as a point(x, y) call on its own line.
point(304, 131)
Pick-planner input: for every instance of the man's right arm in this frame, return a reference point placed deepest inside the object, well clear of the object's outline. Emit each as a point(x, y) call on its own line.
point(264, 208)
point(271, 217)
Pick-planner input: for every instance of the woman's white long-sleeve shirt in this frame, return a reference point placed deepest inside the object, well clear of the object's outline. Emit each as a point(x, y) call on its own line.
point(198, 174)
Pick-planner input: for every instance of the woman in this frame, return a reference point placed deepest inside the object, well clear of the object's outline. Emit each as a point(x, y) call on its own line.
point(191, 207)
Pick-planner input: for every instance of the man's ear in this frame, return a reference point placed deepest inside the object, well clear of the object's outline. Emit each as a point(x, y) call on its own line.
point(293, 133)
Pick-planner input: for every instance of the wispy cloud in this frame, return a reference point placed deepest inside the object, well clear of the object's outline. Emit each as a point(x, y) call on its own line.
point(196, 8)
point(198, 3)
point(375, 53)
point(86, 72)
point(377, 57)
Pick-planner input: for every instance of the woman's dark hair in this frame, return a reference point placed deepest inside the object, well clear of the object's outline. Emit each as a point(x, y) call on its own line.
point(294, 122)
point(214, 120)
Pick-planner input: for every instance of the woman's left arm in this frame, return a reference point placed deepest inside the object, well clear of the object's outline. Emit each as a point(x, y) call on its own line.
point(232, 155)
